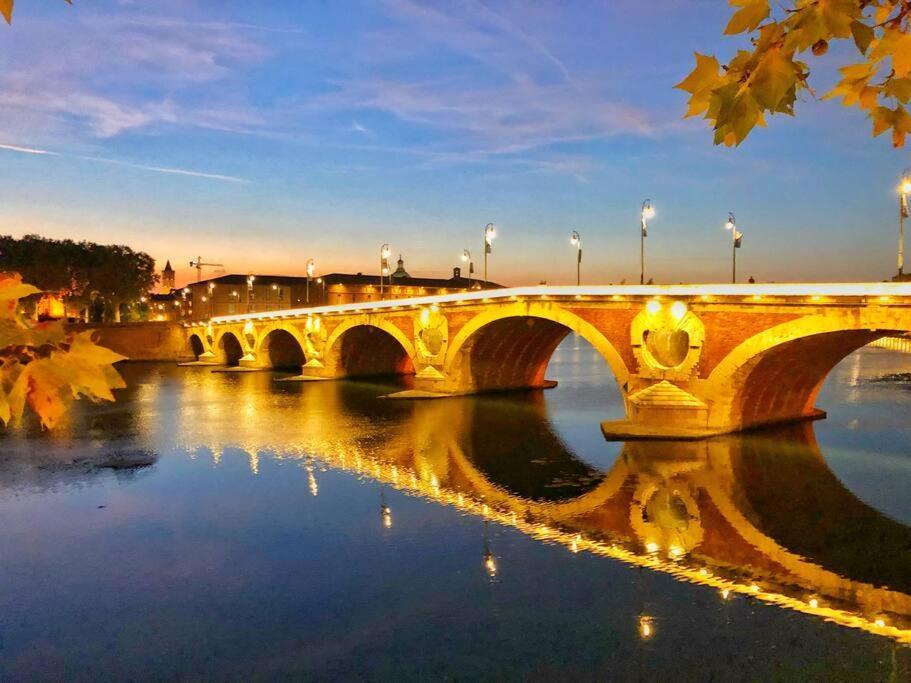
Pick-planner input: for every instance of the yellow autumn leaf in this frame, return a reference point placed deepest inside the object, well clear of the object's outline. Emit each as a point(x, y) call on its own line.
point(899, 88)
point(901, 55)
point(863, 35)
point(4, 407)
point(41, 386)
point(773, 78)
point(6, 9)
point(748, 17)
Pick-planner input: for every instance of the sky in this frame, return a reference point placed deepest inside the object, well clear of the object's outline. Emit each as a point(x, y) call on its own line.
point(261, 134)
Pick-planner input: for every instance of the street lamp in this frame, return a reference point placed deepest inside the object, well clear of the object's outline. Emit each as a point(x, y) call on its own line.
point(736, 241)
point(648, 211)
point(385, 251)
point(904, 190)
point(250, 278)
point(576, 240)
point(211, 298)
point(466, 257)
point(311, 266)
point(489, 233)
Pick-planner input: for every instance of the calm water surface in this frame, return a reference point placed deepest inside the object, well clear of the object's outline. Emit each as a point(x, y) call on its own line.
point(315, 531)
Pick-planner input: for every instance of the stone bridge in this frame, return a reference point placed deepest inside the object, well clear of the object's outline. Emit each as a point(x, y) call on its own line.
point(690, 360)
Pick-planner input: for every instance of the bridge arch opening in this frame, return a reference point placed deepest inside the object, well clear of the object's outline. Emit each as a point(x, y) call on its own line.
point(229, 349)
point(197, 348)
point(366, 350)
point(782, 382)
point(282, 351)
point(513, 352)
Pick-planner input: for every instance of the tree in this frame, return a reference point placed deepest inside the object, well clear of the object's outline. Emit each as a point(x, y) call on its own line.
point(43, 366)
point(81, 271)
point(767, 79)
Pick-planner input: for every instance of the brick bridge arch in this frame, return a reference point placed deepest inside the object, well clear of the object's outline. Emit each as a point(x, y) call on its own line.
point(511, 346)
point(229, 350)
point(691, 360)
point(776, 375)
point(280, 346)
point(366, 346)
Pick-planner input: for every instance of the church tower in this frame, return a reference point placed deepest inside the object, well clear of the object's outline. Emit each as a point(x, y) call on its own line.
point(167, 278)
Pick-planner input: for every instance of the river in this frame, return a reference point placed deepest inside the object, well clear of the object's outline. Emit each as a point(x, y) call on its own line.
point(314, 530)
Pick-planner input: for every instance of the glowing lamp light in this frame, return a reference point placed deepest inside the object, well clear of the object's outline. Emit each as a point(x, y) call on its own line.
point(725, 593)
point(646, 627)
point(652, 547)
point(311, 267)
point(653, 307)
point(490, 231)
point(906, 187)
point(648, 211)
point(880, 622)
point(490, 564)
point(386, 251)
point(675, 551)
point(574, 238)
point(729, 225)
point(814, 603)
point(678, 310)
point(387, 516)
point(274, 286)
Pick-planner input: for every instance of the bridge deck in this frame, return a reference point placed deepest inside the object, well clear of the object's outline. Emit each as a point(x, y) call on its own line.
point(897, 293)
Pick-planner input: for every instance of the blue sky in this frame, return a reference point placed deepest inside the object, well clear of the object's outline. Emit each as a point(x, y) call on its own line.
point(262, 134)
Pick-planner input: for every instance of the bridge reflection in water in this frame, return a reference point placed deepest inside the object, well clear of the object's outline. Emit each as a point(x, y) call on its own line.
point(758, 515)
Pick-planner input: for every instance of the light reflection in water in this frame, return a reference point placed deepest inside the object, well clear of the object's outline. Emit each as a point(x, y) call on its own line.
point(706, 513)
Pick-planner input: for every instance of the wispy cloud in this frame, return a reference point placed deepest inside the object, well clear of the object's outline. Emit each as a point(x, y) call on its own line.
point(27, 150)
point(112, 74)
point(127, 164)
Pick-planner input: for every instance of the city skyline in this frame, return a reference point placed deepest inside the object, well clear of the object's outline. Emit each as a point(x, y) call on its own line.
point(259, 140)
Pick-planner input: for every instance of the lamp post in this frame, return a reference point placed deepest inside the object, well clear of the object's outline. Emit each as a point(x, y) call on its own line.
point(384, 265)
point(489, 233)
point(211, 298)
point(466, 257)
point(576, 240)
point(648, 211)
point(904, 190)
point(311, 266)
point(736, 240)
point(250, 279)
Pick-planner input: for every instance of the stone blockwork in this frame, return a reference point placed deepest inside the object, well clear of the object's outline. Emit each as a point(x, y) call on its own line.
point(148, 341)
point(690, 361)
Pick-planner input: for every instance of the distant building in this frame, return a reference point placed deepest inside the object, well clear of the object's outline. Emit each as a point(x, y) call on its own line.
point(164, 306)
point(167, 278)
point(230, 294)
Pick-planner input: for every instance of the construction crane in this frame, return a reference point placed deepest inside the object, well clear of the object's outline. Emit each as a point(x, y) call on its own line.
point(199, 265)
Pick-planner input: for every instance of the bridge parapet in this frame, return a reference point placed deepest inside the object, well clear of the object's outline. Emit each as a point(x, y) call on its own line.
point(689, 360)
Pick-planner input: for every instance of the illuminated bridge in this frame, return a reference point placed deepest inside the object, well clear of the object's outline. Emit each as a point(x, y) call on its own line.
point(690, 360)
